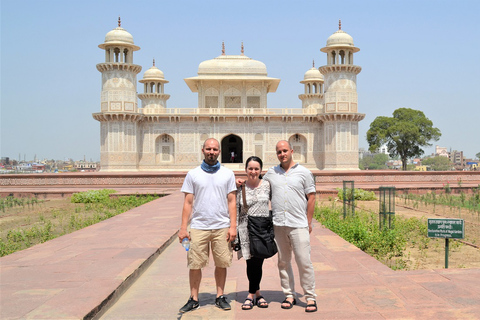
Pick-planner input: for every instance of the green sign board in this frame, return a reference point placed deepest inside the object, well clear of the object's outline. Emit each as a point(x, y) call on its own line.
point(446, 228)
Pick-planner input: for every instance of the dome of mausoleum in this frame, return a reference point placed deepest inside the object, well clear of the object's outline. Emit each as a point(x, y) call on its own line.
point(313, 74)
point(232, 65)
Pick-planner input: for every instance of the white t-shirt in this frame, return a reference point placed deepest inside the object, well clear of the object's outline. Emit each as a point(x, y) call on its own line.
point(210, 191)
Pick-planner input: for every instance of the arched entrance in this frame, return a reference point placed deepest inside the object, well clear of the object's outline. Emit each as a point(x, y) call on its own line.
point(232, 145)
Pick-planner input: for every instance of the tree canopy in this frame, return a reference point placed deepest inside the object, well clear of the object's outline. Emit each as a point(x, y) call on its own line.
point(375, 162)
point(478, 155)
point(438, 163)
point(404, 134)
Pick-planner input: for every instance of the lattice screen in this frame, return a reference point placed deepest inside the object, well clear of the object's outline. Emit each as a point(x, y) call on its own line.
point(211, 102)
point(233, 102)
point(253, 102)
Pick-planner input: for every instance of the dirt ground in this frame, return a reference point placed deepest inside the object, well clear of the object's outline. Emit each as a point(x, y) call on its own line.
point(461, 255)
point(56, 211)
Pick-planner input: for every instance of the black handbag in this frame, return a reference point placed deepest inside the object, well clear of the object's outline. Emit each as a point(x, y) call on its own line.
point(260, 232)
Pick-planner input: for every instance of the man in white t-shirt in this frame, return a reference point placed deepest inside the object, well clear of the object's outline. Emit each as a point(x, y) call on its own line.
point(213, 222)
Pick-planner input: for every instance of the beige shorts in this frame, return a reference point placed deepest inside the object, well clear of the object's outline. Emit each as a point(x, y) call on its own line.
point(200, 242)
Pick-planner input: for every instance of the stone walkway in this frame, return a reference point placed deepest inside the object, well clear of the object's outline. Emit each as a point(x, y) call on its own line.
point(132, 267)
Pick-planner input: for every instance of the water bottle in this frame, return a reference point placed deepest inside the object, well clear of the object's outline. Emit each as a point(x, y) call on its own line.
point(186, 244)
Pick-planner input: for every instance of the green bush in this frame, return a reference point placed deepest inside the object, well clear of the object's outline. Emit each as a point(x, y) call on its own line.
point(362, 230)
point(92, 196)
point(360, 194)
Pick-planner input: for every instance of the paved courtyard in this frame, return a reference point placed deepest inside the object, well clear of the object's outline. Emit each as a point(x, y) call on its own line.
point(132, 267)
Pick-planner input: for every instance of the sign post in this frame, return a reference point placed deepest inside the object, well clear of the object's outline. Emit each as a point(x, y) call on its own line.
point(446, 228)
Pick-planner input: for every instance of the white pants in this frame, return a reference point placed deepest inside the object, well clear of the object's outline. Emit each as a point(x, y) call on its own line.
point(297, 240)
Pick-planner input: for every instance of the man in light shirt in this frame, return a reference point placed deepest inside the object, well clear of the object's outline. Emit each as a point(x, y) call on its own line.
point(210, 201)
point(293, 204)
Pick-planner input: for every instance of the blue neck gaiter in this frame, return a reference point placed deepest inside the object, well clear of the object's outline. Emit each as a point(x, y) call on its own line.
point(208, 168)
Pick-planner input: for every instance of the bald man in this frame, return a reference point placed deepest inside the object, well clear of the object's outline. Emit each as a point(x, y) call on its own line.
point(213, 222)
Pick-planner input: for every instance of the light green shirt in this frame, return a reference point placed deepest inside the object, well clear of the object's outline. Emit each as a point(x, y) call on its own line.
point(289, 195)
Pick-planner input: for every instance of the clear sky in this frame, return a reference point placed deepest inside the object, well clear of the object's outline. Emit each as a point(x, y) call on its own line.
point(417, 54)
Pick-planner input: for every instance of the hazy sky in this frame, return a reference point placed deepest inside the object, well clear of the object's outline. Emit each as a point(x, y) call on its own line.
point(417, 54)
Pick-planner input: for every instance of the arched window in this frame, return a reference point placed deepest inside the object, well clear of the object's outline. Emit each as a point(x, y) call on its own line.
point(299, 146)
point(342, 56)
point(125, 56)
point(164, 149)
point(116, 52)
point(333, 57)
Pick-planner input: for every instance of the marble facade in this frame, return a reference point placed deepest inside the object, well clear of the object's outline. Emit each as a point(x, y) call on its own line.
point(232, 107)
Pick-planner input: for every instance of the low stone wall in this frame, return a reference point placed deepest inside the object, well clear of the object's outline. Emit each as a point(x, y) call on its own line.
point(324, 179)
point(91, 179)
point(394, 176)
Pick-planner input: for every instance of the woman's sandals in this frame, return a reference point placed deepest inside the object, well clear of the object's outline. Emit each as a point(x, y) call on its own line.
point(261, 302)
point(248, 304)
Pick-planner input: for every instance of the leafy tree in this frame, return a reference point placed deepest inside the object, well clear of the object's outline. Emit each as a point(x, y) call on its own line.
point(404, 134)
point(438, 163)
point(478, 155)
point(374, 162)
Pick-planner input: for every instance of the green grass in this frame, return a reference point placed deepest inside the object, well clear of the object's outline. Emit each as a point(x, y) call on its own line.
point(92, 207)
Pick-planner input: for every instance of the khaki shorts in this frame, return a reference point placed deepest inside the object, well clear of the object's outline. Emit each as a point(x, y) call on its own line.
point(200, 242)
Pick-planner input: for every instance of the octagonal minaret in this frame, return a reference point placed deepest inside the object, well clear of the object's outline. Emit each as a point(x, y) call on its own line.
point(340, 114)
point(312, 98)
point(153, 97)
point(118, 117)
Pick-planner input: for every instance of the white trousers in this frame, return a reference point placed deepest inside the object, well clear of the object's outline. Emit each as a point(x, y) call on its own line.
point(296, 240)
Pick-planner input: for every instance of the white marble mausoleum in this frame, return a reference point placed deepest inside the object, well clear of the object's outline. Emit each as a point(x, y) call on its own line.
point(232, 107)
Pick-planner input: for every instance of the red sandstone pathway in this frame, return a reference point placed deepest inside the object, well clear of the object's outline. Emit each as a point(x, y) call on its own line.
point(73, 276)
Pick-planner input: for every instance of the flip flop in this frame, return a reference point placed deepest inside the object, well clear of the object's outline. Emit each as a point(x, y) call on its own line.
point(290, 304)
point(311, 305)
point(248, 304)
point(261, 304)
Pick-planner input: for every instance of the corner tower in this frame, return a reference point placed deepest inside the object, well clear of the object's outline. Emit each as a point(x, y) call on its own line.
point(118, 117)
point(312, 98)
point(153, 97)
point(340, 115)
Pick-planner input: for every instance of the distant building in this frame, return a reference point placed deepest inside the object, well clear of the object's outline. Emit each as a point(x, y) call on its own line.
point(85, 166)
point(383, 149)
point(441, 151)
point(456, 157)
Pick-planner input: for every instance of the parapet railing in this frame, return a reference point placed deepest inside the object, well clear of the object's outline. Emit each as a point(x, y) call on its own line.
point(228, 111)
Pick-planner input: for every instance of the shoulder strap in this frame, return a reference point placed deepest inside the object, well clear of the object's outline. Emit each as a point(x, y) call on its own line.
point(244, 195)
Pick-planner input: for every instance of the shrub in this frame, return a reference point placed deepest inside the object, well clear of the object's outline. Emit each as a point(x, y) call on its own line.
point(360, 194)
point(362, 230)
point(92, 196)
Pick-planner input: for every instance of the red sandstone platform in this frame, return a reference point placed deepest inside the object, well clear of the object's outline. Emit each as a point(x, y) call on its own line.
point(130, 259)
